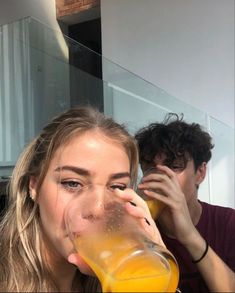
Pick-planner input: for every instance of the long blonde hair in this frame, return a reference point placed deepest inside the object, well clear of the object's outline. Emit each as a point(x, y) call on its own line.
point(22, 264)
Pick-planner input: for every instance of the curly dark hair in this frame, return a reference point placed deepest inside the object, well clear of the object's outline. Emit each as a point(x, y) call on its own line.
point(175, 139)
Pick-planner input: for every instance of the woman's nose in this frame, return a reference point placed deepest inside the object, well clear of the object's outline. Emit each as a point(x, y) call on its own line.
point(96, 198)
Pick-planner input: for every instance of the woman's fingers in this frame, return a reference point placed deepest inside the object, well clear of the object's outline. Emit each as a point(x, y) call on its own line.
point(78, 261)
point(138, 209)
point(129, 195)
point(146, 222)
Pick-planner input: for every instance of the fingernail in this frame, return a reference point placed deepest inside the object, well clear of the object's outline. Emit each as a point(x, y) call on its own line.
point(147, 221)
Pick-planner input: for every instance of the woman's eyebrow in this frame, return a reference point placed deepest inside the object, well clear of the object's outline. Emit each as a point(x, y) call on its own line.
point(120, 175)
point(77, 170)
point(84, 172)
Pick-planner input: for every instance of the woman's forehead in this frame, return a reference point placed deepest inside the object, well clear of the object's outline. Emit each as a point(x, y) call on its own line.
point(90, 143)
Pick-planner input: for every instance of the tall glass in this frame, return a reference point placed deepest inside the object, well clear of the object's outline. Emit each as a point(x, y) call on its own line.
point(155, 206)
point(114, 245)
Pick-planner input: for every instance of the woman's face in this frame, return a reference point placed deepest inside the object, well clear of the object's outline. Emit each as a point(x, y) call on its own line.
point(89, 158)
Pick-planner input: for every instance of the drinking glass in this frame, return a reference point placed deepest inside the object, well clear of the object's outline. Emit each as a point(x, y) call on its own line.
point(115, 246)
point(155, 206)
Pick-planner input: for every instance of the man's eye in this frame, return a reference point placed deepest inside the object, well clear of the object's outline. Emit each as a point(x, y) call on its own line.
point(177, 168)
point(118, 186)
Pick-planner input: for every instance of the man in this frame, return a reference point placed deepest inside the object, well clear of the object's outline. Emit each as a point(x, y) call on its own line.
point(201, 236)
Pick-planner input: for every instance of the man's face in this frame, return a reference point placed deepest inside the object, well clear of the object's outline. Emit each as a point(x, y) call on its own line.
point(187, 176)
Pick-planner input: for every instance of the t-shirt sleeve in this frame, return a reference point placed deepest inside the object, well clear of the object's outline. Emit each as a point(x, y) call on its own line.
point(230, 245)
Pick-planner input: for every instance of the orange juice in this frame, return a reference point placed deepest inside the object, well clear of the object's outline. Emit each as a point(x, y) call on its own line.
point(155, 207)
point(123, 266)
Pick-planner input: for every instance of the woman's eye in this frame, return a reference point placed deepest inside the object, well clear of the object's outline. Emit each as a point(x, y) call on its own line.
point(71, 185)
point(118, 186)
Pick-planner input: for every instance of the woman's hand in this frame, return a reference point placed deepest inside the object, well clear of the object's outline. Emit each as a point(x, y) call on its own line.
point(138, 208)
point(77, 260)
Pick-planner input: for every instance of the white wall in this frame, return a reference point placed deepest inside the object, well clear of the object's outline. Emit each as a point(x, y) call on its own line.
point(185, 47)
point(42, 10)
point(137, 111)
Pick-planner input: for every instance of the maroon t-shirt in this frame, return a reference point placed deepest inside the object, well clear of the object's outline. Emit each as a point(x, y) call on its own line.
point(217, 226)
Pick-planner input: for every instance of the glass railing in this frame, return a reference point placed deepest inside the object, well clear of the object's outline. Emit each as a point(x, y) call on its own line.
point(43, 73)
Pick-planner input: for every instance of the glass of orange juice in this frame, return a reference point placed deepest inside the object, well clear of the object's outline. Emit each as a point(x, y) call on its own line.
point(112, 243)
point(155, 206)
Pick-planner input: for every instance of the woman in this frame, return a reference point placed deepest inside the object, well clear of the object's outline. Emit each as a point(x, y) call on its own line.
point(78, 147)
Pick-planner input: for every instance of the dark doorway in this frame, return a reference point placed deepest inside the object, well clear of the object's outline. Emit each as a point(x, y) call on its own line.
point(86, 85)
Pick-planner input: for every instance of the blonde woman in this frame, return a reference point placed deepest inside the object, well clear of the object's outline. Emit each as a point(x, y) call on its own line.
point(36, 254)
